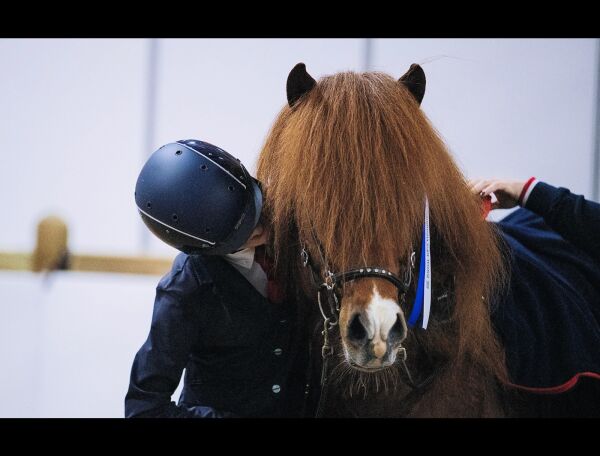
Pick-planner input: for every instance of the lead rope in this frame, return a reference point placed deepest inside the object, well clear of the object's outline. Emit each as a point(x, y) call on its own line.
point(324, 386)
point(326, 353)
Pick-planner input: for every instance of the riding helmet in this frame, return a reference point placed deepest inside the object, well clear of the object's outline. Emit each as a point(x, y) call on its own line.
point(198, 198)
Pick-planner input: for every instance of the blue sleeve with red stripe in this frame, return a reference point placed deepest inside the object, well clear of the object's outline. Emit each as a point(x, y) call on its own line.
point(572, 216)
point(549, 317)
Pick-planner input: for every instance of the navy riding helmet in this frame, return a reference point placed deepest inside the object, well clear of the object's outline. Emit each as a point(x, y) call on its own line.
point(198, 198)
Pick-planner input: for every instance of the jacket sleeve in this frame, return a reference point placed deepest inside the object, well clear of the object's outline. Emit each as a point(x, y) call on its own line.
point(572, 216)
point(158, 365)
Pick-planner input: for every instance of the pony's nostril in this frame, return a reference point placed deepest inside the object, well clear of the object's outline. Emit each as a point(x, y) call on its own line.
point(356, 331)
point(398, 331)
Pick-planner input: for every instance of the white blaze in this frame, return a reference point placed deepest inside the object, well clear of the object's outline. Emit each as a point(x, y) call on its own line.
point(380, 316)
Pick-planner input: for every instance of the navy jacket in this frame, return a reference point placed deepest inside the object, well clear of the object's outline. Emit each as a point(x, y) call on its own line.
point(549, 318)
point(240, 352)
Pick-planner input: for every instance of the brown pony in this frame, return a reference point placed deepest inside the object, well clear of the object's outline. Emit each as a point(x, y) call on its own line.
point(346, 167)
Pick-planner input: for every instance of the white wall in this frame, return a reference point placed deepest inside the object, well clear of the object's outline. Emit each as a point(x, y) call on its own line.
point(508, 108)
point(67, 341)
point(72, 141)
point(71, 121)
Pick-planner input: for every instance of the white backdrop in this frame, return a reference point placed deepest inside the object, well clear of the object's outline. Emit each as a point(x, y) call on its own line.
point(67, 341)
point(72, 138)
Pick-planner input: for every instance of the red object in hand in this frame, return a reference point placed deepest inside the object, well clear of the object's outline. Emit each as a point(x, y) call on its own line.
point(486, 203)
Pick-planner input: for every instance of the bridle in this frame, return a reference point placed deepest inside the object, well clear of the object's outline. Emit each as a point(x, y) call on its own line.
point(329, 285)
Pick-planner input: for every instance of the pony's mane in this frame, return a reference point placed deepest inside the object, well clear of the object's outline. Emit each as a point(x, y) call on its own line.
point(353, 161)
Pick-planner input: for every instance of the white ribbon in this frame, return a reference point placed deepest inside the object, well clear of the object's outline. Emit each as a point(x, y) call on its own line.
point(427, 285)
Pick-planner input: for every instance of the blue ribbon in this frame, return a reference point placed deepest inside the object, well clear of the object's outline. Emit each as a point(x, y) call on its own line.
point(418, 304)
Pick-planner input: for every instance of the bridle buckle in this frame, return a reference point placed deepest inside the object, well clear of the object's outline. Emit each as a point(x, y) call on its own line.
point(329, 281)
point(304, 256)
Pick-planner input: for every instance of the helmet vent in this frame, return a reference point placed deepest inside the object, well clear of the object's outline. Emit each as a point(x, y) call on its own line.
point(149, 205)
point(178, 152)
point(230, 188)
point(175, 218)
point(204, 167)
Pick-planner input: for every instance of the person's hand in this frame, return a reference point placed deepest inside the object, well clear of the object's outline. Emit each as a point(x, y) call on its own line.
point(507, 192)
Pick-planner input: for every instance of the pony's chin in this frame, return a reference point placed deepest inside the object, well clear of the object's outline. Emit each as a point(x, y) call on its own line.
point(369, 370)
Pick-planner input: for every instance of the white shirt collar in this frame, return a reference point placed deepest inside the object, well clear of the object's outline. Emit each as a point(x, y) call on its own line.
point(244, 258)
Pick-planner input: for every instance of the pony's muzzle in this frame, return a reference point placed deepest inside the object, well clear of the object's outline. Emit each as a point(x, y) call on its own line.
point(375, 345)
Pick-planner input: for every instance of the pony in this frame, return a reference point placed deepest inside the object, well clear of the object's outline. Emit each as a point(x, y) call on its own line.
point(348, 167)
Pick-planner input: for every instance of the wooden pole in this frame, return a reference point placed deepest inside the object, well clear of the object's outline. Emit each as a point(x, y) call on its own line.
point(52, 253)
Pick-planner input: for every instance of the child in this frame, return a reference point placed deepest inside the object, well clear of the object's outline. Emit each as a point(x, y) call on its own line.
point(216, 314)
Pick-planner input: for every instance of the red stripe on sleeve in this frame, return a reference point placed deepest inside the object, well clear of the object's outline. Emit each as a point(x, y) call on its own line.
point(524, 191)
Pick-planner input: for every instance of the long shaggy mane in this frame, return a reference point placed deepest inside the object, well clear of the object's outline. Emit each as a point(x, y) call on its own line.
point(353, 160)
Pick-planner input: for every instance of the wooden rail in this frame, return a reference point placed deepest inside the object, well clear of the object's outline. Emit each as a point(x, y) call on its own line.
point(18, 261)
point(52, 253)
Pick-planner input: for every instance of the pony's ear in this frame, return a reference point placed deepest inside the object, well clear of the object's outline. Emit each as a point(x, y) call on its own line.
point(299, 82)
point(414, 80)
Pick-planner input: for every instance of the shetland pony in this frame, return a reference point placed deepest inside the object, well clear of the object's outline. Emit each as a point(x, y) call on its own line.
point(346, 168)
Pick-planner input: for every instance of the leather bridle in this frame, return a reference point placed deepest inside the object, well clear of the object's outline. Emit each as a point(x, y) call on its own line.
point(331, 282)
point(329, 285)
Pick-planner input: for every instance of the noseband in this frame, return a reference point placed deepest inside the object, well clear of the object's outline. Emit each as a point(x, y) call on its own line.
point(331, 282)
